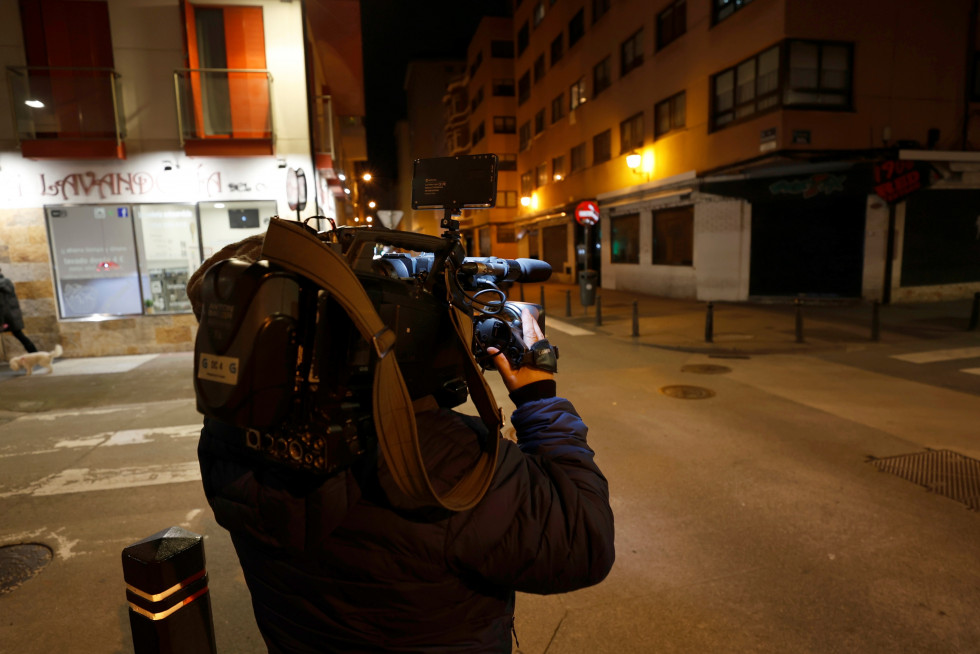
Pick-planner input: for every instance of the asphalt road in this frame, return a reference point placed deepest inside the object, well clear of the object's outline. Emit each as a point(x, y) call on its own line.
point(749, 521)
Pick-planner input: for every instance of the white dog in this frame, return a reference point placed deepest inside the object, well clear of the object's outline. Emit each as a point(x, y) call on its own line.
point(31, 359)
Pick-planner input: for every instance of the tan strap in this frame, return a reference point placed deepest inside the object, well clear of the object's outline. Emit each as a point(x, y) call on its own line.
point(297, 248)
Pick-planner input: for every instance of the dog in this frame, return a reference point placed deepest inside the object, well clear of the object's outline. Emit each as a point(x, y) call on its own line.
point(31, 359)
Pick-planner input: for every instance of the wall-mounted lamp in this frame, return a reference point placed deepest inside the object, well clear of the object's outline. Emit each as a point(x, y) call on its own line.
point(369, 219)
point(372, 204)
point(347, 191)
point(525, 201)
point(342, 177)
point(641, 164)
point(34, 104)
point(366, 177)
point(558, 177)
point(633, 161)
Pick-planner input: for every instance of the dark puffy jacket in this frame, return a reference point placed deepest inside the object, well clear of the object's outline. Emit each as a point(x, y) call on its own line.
point(331, 567)
point(9, 306)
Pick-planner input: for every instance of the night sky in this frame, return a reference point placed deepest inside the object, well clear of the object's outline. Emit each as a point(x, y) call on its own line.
point(395, 32)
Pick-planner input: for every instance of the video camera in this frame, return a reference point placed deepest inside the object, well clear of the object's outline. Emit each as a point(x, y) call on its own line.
point(281, 357)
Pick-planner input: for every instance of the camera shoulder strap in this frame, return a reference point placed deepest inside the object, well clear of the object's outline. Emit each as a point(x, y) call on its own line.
point(297, 248)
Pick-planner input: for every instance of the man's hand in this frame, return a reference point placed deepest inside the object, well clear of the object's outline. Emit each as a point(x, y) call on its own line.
point(514, 379)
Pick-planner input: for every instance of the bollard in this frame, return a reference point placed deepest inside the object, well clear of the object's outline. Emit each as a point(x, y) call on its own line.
point(799, 320)
point(598, 310)
point(542, 299)
point(636, 319)
point(167, 589)
point(975, 313)
point(709, 324)
point(522, 291)
point(568, 303)
point(875, 324)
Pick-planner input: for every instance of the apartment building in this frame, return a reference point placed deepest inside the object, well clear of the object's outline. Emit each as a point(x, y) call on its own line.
point(141, 138)
point(742, 149)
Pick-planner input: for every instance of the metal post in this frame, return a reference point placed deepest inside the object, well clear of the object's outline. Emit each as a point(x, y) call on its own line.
point(167, 589)
point(799, 320)
point(521, 286)
point(636, 318)
point(709, 324)
point(975, 313)
point(598, 310)
point(875, 323)
point(568, 303)
point(542, 298)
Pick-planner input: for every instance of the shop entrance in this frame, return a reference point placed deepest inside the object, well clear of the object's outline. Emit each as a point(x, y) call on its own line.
point(812, 246)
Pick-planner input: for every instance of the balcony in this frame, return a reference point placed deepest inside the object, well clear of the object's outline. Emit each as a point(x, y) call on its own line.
point(67, 112)
point(224, 111)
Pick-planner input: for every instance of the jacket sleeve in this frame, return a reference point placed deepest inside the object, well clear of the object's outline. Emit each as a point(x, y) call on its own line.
point(545, 525)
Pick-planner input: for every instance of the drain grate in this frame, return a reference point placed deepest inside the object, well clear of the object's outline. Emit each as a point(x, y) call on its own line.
point(682, 392)
point(18, 563)
point(944, 472)
point(705, 369)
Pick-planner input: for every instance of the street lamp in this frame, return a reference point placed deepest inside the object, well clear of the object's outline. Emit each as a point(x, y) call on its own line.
point(641, 163)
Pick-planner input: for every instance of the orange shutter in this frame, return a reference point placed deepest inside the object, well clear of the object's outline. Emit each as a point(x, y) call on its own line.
point(248, 92)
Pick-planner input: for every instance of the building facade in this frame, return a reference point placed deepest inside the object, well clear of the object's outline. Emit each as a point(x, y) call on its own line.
point(141, 138)
point(741, 149)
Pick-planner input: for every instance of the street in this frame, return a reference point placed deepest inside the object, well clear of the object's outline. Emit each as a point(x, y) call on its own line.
point(752, 520)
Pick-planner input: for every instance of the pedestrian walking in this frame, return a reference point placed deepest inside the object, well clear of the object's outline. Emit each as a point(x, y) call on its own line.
point(11, 319)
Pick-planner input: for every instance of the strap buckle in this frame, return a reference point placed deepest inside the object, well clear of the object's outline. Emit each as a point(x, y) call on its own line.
point(376, 341)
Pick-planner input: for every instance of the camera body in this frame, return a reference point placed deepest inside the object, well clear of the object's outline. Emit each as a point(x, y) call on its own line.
point(280, 357)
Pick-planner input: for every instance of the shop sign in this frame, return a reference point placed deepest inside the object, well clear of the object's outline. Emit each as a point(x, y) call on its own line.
point(896, 180)
point(808, 187)
point(296, 189)
point(587, 213)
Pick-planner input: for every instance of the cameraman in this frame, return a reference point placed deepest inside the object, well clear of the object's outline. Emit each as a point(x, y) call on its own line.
point(332, 566)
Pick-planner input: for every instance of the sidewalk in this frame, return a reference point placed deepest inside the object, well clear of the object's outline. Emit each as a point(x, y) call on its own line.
point(759, 327)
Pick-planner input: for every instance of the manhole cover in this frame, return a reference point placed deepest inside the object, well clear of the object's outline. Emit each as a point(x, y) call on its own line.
point(705, 369)
point(18, 563)
point(682, 392)
point(944, 472)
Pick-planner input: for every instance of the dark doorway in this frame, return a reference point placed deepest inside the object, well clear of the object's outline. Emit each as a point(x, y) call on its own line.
point(810, 246)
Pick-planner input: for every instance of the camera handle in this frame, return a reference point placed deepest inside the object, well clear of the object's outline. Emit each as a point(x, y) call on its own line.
point(297, 248)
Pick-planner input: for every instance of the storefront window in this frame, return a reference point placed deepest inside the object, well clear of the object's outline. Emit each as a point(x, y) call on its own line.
point(169, 252)
point(224, 223)
point(626, 239)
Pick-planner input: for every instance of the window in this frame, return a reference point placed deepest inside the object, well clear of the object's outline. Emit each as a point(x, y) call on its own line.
point(477, 99)
point(538, 14)
point(539, 122)
point(502, 49)
point(504, 124)
point(722, 9)
point(527, 183)
point(599, 8)
point(669, 114)
point(576, 28)
point(671, 23)
point(479, 132)
point(578, 158)
point(524, 88)
point(601, 147)
point(576, 93)
point(502, 88)
point(625, 238)
point(558, 168)
point(541, 175)
point(601, 76)
point(506, 162)
point(746, 89)
point(476, 62)
point(557, 108)
point(557, 49)
point(673, 236)
point(819, 74)
point(506, 199)
point(631, 52)
point(538, 69)
point(525, 137)
point(523, 39)
point(631, 133)
point(506, 233)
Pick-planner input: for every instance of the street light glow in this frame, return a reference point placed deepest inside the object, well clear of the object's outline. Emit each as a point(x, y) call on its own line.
point(372, 204)
point(366, 177)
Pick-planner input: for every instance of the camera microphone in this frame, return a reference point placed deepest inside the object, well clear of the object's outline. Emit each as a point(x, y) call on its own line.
point(508, 270)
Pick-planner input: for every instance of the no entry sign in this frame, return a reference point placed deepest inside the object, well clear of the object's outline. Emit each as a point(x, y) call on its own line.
point(587, 213)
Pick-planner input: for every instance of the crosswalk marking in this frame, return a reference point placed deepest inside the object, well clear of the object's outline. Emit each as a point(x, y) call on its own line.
point(971, 371)
point(939, 355)
point(83, 480)
point(566, 328)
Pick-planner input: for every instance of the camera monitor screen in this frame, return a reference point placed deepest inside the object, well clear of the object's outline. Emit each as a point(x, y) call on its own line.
point(243, 218)
point(465, 181)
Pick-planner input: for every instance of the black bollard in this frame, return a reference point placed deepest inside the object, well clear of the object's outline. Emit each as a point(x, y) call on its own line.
point(709, 324)
point(636, 319)
point(799, 320)
point(542, 299)
point(522, 291)
point(875, 324)
point(598, 310)
point(975, 313)
point(167, 589)
point(568, 303)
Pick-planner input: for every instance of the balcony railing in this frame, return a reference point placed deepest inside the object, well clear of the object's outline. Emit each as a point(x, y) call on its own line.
point(224, 106)
point(59, 110)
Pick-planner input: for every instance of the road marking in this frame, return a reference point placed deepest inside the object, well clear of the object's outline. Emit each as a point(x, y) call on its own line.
point(971, 371)
point(939, 355)
point(566, 328)
point(114, 438)
point(84, 480)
